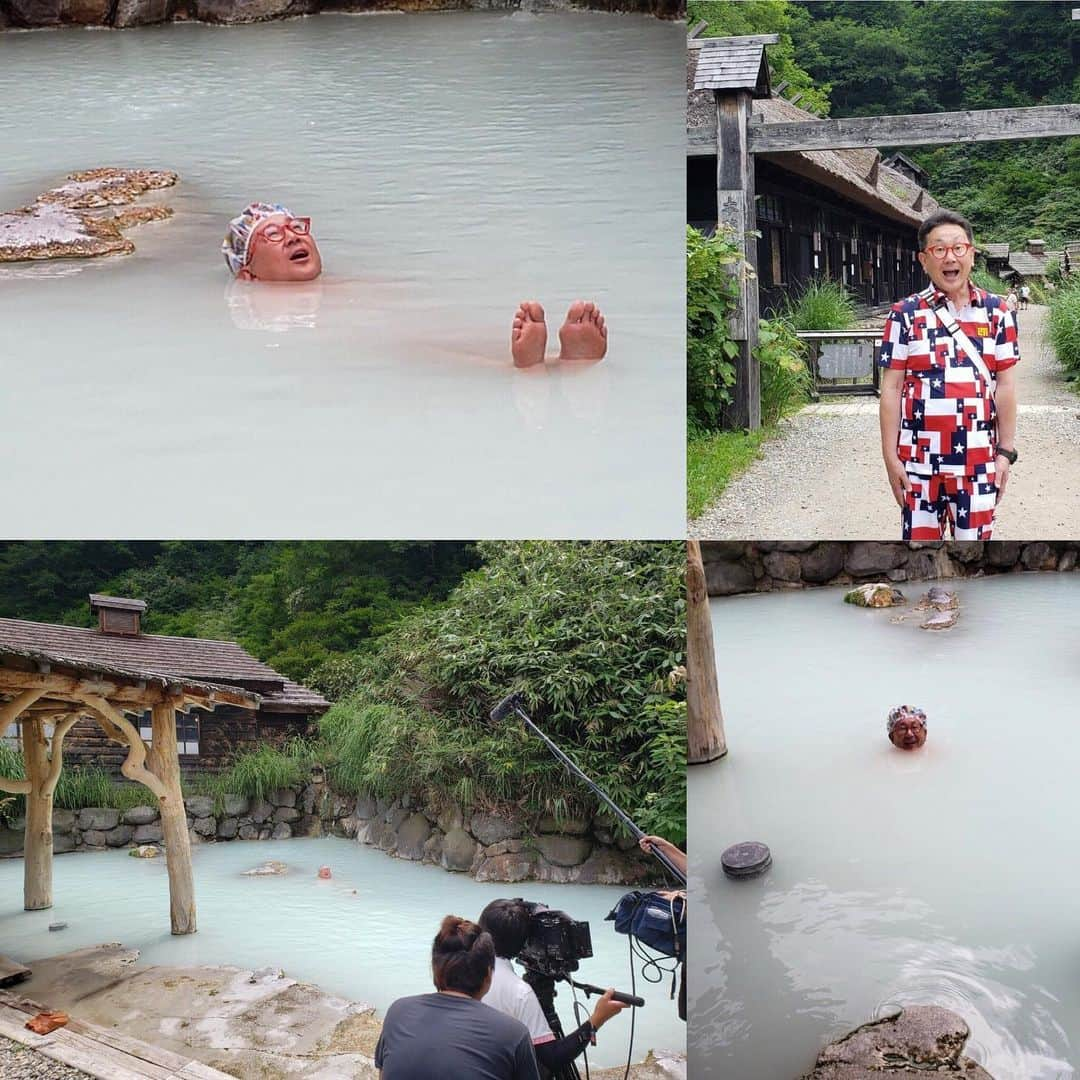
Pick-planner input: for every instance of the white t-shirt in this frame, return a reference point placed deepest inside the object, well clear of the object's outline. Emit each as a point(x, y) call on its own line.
point(510, 994)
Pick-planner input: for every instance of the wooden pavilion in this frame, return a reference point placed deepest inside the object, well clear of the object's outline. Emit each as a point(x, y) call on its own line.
point(46, 694)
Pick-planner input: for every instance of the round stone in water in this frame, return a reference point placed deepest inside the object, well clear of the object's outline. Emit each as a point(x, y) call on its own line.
point(746, 860)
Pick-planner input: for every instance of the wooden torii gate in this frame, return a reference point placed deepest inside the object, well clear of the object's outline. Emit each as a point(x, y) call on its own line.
point(736, 70)
point(46, 695)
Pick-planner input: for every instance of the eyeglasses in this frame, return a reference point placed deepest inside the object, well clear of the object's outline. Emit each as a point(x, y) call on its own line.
point(275, 231)
point(939, 251)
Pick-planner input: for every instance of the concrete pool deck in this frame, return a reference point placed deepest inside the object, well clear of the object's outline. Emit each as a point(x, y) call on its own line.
point(253, 1025)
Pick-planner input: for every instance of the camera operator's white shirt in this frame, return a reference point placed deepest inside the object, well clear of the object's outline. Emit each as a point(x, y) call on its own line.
point(510, 994)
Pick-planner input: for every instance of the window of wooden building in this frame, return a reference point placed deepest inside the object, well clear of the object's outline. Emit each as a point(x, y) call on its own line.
point(187, 731)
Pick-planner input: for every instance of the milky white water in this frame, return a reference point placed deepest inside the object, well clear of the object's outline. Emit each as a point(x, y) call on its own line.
point(371, 945)
point(945, 876)
point(453, 165)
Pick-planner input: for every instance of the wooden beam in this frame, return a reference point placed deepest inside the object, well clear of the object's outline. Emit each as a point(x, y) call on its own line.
point(924, 129)
point(9, 713)
point(705, 723)
point(165, 761)
point(119, 693)
point(735, 209)
point(38, 839)
point(119, 728)
point(56, 757)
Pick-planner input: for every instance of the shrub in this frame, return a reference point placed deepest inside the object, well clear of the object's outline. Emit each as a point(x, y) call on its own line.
point(786, 381)
point(822, 305)
point(713, 266)
point(1064, 326)
point(590, 633)
point(257, 772)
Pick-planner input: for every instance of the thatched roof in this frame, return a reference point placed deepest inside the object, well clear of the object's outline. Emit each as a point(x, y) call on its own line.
point(732, 63)
point(858, 175)
point(1028, 265)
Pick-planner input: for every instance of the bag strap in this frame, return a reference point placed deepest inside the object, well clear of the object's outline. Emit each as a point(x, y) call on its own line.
point(954, 331)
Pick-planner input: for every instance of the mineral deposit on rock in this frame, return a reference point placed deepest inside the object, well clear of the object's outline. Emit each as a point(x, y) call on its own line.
point(874, 594)
point(84, 217)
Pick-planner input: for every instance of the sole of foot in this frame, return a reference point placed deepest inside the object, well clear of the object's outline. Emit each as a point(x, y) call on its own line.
point(528, 339)
point(583, 336)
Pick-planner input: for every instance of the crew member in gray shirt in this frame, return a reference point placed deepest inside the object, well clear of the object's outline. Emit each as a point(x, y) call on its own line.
point(452, 1034)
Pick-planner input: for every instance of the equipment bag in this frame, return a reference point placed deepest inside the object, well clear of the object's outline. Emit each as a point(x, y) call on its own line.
point(657, 921)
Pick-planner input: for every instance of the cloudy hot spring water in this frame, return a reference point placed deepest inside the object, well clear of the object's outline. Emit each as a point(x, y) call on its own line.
point(453, 165)
point(365, 934)
point(946, 876)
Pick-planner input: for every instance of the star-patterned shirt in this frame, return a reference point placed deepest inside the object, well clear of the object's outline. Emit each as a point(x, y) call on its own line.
point(948, 423)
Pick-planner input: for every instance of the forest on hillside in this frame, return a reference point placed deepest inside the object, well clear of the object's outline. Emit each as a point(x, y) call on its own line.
point(295, 605)
point(850, 58)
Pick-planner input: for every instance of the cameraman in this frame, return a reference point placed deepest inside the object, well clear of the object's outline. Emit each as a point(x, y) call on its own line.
point(507, 921)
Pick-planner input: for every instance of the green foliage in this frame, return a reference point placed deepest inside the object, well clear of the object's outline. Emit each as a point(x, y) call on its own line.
point(713, 266)
point(714, 459)
point(663, 810)
point(593, 635)
point(257, 772)
point(822, 305)
point(1064, 327)
point(786, 381)
point(736, 17)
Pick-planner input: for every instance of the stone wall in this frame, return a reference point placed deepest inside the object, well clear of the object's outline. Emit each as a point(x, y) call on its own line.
point(487, 846)
point(121, 14)
point(733, 567)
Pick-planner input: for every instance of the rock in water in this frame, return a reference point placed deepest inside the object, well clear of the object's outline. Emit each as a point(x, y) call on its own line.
point(267, 869)
point(941, 620)
point(145, 851)
point(80, 218)
point(941, 598)
point(57, 925)
point(876, 594)
point(918, 1041)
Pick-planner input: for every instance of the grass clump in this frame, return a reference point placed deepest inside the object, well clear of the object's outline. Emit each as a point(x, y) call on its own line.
point(1064, 327)
point(255, 773)
point(714, 459)
point(822, 305)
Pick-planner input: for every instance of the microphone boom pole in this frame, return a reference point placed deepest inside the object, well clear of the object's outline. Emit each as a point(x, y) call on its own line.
point(513, 703)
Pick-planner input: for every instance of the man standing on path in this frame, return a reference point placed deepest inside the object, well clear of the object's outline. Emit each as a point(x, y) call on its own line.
point(948, 393)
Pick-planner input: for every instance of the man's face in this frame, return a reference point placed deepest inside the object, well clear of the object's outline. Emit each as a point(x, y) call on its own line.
point(908, 733)
point(949, 273)
point(278, 252)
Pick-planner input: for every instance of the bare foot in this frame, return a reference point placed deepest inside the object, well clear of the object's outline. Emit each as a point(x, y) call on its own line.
point(528, 339)
point(583, 336)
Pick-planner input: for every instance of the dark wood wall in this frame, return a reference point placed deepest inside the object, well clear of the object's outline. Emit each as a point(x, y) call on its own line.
point(808, 231)
point(222, 734)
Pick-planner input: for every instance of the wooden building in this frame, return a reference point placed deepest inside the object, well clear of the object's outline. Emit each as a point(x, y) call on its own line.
point(206, 740)
point(845, 215)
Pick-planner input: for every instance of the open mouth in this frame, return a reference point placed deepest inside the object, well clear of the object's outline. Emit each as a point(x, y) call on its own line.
point(300, 255)
point(951, 275)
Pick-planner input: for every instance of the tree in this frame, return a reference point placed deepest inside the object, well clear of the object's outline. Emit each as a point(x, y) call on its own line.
point(705, 723)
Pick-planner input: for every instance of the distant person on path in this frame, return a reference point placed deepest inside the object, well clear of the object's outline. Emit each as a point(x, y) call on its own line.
point(1012, 301)
point(906, 726)
point(266, 242)
point(948, 393)
point(452, 1034)
point(1025, 296)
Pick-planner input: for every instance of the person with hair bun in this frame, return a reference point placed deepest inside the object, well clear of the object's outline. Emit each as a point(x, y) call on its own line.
point(452, 1034)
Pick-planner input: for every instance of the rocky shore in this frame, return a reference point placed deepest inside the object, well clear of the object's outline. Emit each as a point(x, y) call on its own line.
point(123, 14)
point(735, 566)
point(490, 847)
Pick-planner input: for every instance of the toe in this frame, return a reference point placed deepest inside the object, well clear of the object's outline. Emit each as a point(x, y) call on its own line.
point(533, 310)
point(589, 314)
point(576, 311)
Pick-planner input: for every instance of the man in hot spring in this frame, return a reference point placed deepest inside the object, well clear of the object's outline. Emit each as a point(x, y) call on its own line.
point(268, 243)
point(906, 726)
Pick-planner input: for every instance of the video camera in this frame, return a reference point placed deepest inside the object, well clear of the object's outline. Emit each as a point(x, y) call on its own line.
point(555, 942)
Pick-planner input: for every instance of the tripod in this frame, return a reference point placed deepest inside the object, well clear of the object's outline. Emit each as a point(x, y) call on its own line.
point(543, 986)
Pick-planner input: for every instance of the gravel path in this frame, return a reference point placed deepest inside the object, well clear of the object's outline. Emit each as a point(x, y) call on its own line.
point(18, 1062)
point(822, 476)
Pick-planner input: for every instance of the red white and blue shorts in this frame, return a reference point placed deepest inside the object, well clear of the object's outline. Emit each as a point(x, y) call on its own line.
point(962, 504)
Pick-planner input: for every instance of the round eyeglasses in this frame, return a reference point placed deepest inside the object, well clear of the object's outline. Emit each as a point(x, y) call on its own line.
point(939, 251)
point(275, 231)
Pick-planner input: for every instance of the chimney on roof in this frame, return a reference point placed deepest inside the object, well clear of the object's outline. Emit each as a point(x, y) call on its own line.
point(1036, 247)
point(118, 615)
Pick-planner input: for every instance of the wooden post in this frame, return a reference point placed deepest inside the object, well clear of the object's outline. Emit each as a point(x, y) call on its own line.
point(705, 723)
point(38, 842)
point(165, 763)
point(735, 206)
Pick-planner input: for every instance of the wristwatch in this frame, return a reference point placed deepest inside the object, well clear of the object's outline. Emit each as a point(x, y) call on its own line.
point(1009, 455)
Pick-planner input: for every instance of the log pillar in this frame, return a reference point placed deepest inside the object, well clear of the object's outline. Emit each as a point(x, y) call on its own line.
point(38, 841)
point(705, 722)
point(735, 207)
point(165, 764)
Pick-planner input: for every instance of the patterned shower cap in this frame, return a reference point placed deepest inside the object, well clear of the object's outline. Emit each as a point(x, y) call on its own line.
point(235, 245)
point(900, 712)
